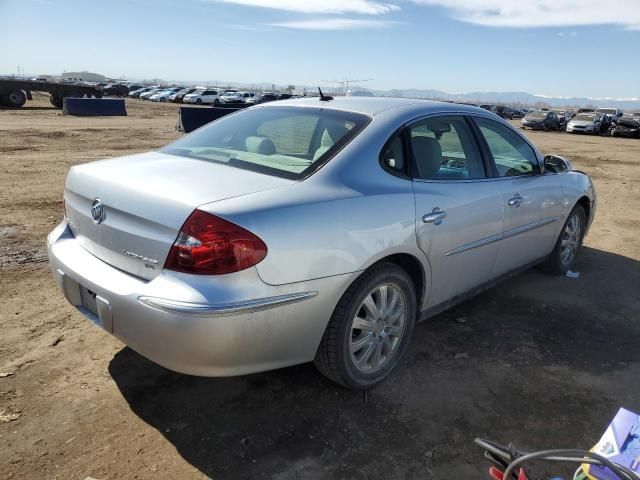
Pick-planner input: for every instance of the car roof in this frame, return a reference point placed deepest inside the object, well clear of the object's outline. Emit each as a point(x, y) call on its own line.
point(375, 105)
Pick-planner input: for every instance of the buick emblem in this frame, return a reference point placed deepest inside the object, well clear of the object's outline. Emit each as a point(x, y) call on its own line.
point(97, 211)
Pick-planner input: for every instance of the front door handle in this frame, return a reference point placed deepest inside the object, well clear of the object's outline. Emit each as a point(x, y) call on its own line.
point(515, 201)
point(435, 217)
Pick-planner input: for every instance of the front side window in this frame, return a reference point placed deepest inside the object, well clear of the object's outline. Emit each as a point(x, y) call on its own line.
point(511, 154)
point(288, 142)
point(444, 149)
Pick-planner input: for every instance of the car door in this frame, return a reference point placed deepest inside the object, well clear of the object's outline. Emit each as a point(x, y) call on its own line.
point(532, 201)
point(459, 212)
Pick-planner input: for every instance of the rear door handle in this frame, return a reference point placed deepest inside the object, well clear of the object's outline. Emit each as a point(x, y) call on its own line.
point(435, 217)
point(515, 201)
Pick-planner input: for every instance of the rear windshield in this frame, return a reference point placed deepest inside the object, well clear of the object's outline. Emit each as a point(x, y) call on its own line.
point(288, 142)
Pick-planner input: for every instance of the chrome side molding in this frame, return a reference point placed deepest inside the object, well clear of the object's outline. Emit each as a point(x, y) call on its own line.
point(502, 236)
point(223, 309)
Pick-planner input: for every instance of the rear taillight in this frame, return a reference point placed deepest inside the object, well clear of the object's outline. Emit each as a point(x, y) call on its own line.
point(209, 245)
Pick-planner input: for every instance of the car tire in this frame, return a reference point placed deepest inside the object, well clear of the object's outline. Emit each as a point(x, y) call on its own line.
point(357, 358)
point(14, 99)
point(571, 236)
point(56, 101)
point(216, 102)
point(198, 101)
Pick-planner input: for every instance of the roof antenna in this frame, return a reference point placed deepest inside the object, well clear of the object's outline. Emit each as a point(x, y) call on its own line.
point(323, 97)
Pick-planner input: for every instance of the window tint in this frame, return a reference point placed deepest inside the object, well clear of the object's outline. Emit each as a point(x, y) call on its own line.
point(283, 141)
point(393, 156)
point(511, 154)
point(444, 149)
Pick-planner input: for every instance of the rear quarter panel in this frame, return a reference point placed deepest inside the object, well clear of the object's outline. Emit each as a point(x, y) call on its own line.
point(315, 231)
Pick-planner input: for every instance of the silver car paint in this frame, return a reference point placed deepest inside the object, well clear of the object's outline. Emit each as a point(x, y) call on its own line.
point(321, 233)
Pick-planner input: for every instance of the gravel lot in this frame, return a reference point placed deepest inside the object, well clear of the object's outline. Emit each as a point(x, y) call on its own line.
point(546, 361)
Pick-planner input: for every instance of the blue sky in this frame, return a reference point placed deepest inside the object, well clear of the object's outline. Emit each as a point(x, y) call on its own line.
point(554, 47)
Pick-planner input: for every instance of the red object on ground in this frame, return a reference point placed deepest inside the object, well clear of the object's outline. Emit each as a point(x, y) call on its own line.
point(498, 475)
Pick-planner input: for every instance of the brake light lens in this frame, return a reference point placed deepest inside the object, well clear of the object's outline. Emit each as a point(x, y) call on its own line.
point(210, 245)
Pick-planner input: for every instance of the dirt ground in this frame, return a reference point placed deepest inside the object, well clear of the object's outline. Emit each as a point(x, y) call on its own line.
point(548, 362)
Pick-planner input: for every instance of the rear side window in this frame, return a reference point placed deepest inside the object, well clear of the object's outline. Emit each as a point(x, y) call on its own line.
point(393, 155)
point(511, 154)
point(288, 142)
point(444, 149)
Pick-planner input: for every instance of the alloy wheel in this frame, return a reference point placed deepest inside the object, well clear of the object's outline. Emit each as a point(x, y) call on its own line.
point(377, 328)
point(571, 238)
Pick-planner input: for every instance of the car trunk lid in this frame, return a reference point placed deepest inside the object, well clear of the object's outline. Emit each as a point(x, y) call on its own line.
point(145, 199)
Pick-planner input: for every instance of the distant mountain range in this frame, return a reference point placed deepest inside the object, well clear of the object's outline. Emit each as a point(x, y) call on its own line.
point(521, 98)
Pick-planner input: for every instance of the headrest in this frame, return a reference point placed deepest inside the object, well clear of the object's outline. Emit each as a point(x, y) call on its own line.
point(428, 154)
point(332, 134)
point(261, 145)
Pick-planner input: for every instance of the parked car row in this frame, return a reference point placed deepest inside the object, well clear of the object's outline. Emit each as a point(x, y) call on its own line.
point(204, 95)
point(603, 121)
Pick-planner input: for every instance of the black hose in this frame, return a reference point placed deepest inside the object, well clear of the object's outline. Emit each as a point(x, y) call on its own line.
point(573, 456)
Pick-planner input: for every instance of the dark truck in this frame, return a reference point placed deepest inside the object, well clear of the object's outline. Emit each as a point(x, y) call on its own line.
point(15, 92)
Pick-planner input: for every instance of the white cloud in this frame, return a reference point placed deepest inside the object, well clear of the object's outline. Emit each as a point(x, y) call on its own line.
point(332, 24)
point(543, 13)
point(365, 7)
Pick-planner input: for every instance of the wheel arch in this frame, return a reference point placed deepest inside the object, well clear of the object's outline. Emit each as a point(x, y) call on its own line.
point(585, 203)
point(414, 268)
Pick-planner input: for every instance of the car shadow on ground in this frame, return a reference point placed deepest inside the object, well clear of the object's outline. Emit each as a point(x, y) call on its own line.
point(538, 360)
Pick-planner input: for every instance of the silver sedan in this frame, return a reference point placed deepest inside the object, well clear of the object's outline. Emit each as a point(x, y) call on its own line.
point(311, 230)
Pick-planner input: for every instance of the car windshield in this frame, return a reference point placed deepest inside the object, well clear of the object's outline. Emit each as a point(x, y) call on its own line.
point(537, 114)
point(288, 142)
point(608, 111)
point(582, 116)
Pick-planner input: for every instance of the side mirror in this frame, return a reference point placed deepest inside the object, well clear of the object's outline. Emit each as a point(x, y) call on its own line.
point(557, 164)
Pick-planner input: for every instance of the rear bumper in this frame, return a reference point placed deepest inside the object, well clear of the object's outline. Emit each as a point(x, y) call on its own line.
point(201, 325)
